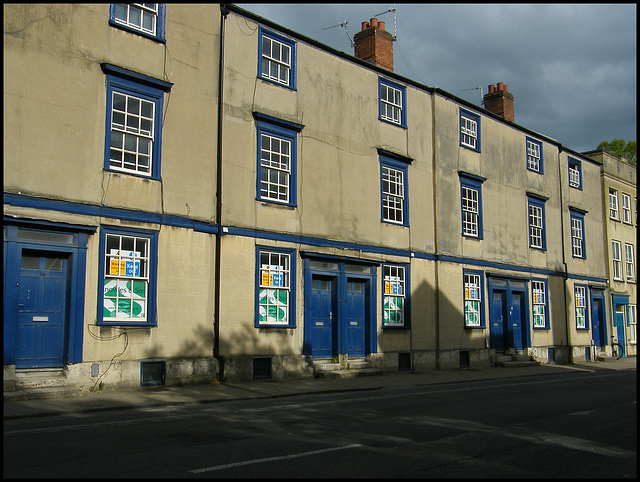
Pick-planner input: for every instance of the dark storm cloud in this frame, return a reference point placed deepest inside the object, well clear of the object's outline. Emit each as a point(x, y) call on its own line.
point(571, 68)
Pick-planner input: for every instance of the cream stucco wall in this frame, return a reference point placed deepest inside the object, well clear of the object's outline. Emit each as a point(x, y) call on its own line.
point(55, 100)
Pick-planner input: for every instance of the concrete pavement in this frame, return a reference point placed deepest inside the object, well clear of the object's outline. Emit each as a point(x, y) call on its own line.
point(131, 398)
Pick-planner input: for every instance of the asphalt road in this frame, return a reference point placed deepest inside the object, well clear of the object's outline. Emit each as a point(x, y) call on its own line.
point(576, 424)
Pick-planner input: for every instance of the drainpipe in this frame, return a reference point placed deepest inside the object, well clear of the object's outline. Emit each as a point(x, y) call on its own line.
point(564, 259)
point(218, 254)
point(434, 176)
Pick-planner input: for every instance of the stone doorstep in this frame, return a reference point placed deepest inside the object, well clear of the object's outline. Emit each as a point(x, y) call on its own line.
point(42, 393)
point(603, 357)
point(39, 378)
point(362, 372)
point(516, 360)
point(356, 367)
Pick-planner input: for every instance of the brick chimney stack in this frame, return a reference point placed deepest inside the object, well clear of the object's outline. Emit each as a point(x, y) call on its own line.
point(500, 101)
point(374, 44)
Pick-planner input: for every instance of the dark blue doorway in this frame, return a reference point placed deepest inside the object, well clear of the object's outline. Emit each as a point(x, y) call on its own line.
point(42, 310)
point(597, 322)
point(508, 315)
point(354, 318)
point(339, 308)
point(323, 299)
point(498, 312)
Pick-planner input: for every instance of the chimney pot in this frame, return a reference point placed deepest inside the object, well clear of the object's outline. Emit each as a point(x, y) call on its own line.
point(374, 44)
point(500, 101)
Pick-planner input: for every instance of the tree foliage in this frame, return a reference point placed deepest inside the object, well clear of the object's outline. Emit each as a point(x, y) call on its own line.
point(620, 148)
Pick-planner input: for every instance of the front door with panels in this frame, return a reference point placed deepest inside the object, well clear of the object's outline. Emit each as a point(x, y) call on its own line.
point(354, 316)
point(509, 327)
point(337, 313)
point(42, 310)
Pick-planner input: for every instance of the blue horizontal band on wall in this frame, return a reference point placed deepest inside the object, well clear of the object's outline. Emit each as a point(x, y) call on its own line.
point(24, 201)
point(204, 227)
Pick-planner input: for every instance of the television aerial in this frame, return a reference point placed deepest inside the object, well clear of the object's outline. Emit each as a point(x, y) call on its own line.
point(476, 88)
point(345, 24)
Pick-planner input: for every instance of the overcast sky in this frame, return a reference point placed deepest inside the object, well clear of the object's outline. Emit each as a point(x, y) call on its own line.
point(571, 68)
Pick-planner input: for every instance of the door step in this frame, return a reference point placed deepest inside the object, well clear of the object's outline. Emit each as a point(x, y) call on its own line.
point(515, 361)
point(356, 367)
point(26, 379)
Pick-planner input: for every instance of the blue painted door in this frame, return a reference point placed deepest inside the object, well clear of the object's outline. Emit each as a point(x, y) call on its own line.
point(597, 322)
point(618, 325)
point(322, 316)
point(354, 319)
point(515, 320)
point(41, 310)
point(498, 319)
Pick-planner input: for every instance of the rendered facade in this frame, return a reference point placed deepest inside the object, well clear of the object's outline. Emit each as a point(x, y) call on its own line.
point(217, 197)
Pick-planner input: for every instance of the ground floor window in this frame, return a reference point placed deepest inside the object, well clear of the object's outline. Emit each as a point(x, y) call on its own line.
point(632, 324)
point(127, 276)
point(472, 299)
point(394, 296)
point(539, 297)
point(581, 307)
point(276, 276)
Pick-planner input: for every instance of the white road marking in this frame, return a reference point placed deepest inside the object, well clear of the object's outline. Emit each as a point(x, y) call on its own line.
point(273, 459)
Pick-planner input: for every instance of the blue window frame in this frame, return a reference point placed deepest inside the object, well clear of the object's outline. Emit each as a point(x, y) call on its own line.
point(575, 173)
point(396, 293)
point(471, 205)
point(469, 130)
point(473, 295)
point(578, 245)
point(394, 190)
point(128, 277)
point(537, 222)
point(145, 19)
point(535, 159)
point(133, 138)
point(276, 59)
point(580, 301)
point(540, 304)
point(277, 160)
point(392, 100)
point(275, 302)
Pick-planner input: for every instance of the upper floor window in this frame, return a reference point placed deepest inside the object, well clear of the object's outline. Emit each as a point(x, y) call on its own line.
point(613, 204)
point(537, 232)
point(580, 296)
point(577, 234)
point(575, 173)
point(128, 268)
point(394, 298)
point(629, 260)
point(626, 208)
point(392, 102)
point(534, 156)
point(539, 296)
point(471, 204)
point(275, 290)
point(134, 122)
point(394, 195)
point(469, 130)
point(616, 257)
point(277, 159)
point(142, 18)
point(277, 59)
